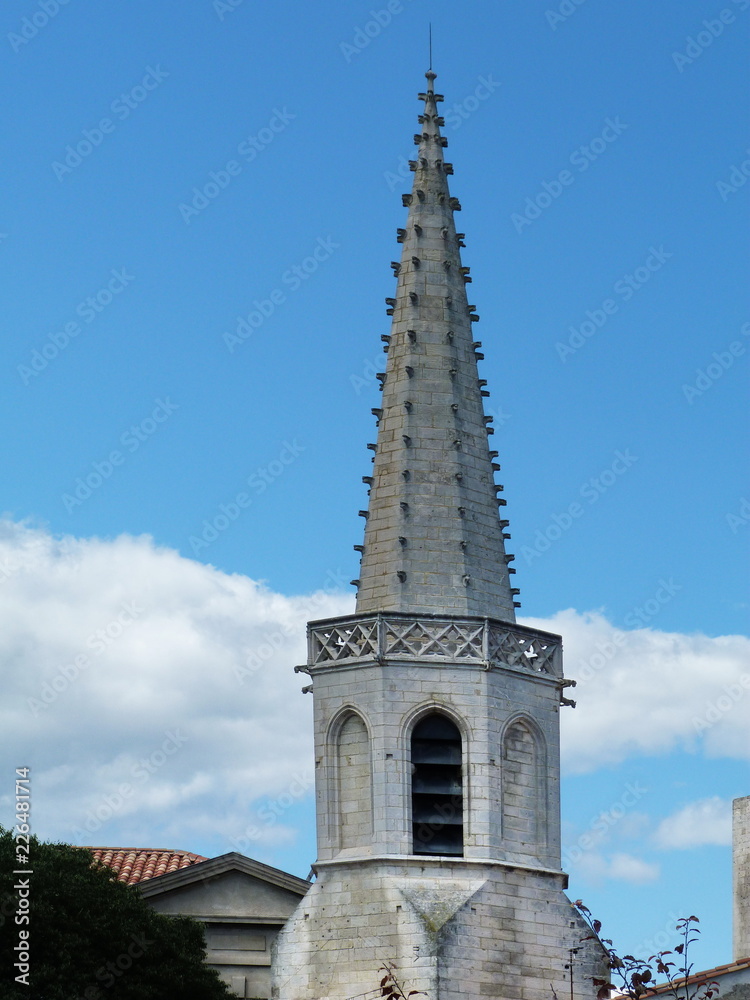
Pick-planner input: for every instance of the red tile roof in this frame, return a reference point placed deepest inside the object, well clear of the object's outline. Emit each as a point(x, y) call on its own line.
point(136, 864)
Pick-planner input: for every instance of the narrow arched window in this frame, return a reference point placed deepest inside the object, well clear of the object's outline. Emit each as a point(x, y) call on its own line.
point(354, 784)
point(436, 789)
point(521, 787)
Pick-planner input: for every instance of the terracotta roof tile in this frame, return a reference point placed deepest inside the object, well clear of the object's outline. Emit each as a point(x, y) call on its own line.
point(738, 965)
point(137, 864)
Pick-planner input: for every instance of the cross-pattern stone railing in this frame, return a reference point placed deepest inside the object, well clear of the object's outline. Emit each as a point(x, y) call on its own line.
point(433, 638)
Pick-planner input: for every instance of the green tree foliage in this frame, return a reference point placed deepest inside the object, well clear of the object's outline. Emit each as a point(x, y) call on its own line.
point(91, 937)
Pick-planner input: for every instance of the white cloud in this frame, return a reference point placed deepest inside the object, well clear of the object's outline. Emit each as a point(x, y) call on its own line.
point(595, 868)
point(646, 692)
point(155, 700)
point(708, 821)
point(630, 869)
point(153, 696)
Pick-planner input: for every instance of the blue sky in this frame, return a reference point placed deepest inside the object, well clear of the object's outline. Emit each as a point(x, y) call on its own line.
point(203, 207)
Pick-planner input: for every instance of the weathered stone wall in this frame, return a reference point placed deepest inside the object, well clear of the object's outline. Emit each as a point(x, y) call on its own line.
point(433, 539)
point(494, 923)
point(485, 705)
point(452, 929)
point(741, 876)
point(242, 913)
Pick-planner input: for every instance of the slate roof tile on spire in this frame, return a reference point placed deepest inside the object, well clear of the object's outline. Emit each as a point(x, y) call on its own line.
point(434, 542)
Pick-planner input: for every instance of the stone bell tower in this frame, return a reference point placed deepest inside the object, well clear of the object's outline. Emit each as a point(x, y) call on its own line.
point(436, 715)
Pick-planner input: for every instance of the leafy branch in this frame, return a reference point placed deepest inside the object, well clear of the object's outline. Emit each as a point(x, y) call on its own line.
point(390, 988)
point(636, 976)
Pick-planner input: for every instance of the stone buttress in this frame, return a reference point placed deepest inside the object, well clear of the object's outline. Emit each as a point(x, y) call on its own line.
point(436, 715)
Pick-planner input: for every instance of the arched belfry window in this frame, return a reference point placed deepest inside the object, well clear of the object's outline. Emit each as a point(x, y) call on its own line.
point(436, 789)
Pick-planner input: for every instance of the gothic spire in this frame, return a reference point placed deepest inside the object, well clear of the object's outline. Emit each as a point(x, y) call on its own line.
point(434, 540)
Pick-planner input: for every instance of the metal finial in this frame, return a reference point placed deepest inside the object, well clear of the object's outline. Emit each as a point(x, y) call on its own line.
point(430, 74)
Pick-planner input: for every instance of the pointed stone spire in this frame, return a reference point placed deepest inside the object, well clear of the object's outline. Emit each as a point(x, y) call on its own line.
point(434, 539)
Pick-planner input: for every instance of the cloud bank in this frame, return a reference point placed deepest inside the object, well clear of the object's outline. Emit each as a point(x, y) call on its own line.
point(646, 692)
point(708, 821)
point(154, 697)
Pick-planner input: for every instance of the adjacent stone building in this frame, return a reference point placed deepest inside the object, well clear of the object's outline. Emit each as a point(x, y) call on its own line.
point(741, 876)
point(436, 714)
point(733, 980)
point(242, 903)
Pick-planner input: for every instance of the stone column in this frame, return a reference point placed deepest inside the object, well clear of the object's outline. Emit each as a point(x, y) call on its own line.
point(741, 876)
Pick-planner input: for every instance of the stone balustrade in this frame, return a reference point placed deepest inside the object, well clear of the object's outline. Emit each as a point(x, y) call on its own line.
point(399, 637)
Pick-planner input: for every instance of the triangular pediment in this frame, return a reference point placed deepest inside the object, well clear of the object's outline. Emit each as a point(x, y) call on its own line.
point(227, 887)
